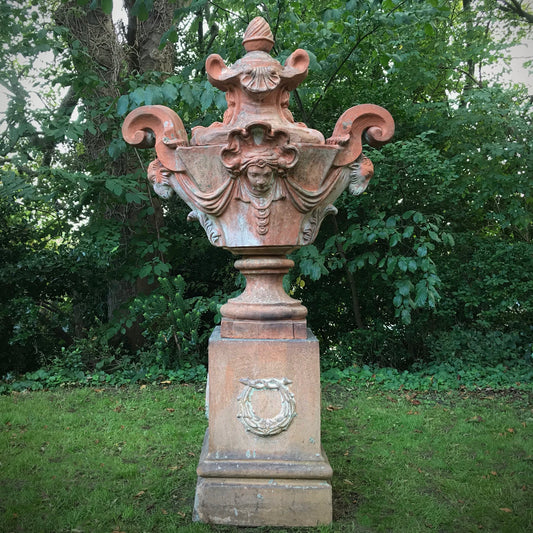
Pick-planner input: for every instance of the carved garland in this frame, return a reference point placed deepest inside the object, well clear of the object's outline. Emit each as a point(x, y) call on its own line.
point(266, 427)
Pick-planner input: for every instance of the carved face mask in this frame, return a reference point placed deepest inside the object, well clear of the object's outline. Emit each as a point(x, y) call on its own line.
point(260, 179)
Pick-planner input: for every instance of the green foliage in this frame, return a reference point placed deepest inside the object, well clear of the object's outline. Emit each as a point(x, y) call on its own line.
point(450, 375)
point(171, 325)
point(437, 251)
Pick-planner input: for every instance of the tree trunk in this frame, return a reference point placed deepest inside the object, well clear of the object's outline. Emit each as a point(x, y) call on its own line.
point(116, 57)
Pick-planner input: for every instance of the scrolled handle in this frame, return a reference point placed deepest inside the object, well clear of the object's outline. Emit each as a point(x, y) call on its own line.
point(371, 121)
point(156, 125)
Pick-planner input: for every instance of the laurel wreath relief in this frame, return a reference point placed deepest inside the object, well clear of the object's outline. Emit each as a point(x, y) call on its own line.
point(266, 427)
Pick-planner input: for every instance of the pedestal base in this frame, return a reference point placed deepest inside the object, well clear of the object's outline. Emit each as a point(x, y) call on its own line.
point(262, 462)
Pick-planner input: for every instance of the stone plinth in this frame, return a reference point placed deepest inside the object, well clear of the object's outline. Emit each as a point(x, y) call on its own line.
point(262, 461)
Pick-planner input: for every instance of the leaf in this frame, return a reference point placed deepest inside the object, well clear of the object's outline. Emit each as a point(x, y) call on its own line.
point(406, 316)
point(148, 95)
point(116, 148)
point(429, 30)
point(107, 6)
point(422, 251)
point(206, 99)
point(187, 94)
point(506, 509)
point(313, 63)
point(145, 270)
point(170, 92)
point(123, 105)
point(408, 231)
point(418, 217)
point(404, 287)
point(114, 186)
point(421, 296)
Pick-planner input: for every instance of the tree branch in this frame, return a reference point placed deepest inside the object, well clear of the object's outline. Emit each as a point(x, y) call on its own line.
point(228, 11)
point(515, 8)
point(376, 27)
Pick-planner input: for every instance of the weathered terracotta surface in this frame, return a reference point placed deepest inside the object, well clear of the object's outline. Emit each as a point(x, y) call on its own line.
point(260, 185)
point(258, 182)
point(263, 447)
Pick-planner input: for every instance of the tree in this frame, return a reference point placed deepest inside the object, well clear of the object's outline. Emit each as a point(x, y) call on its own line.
point(402, 273)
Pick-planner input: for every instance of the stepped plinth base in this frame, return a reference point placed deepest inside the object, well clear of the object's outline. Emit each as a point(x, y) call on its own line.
point(262, 462)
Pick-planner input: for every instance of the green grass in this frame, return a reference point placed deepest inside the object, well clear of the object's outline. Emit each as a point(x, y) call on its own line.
point(124, 460)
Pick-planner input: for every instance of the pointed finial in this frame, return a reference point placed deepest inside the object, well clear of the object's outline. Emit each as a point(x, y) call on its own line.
point(258, 36)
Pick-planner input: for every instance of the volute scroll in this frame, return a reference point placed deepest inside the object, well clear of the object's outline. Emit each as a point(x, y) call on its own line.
point(370, 121)
point(159, 126)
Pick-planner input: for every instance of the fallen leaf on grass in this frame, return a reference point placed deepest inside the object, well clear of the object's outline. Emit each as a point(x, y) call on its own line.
point(333, 408)
point(348, 482)
point(475, 419)
point(166, 382)
point(191, 454)
point(510, 430)
point(506, 509)
point(494, 473)
point(140, 493)
point(164, 511)
point(181, 514)
point(170, 410)
point(142, 387)
point(177, 467)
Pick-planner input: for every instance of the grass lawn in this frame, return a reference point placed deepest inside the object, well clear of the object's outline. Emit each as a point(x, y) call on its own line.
point(109, 461)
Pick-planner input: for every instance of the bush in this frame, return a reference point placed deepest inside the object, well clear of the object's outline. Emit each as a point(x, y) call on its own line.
point(480, 347)
point(382, 346)
point(172, 326)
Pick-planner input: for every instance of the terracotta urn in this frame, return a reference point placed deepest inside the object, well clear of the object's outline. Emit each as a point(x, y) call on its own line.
point(260, 184)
